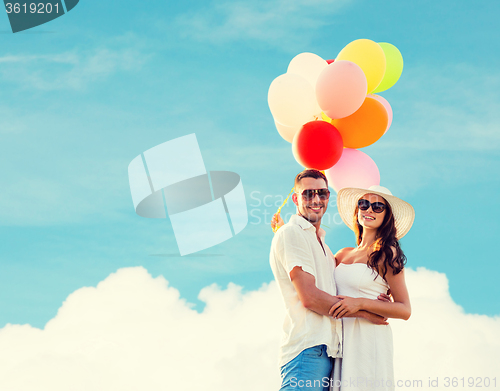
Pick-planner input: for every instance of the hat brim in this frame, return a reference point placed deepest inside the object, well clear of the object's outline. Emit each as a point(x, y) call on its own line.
point(347, 200)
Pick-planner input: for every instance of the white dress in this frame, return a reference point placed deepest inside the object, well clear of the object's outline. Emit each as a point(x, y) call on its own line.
point(367, 359)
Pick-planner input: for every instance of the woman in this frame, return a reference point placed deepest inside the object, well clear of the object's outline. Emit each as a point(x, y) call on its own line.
point(376, 265)
point(378, 220)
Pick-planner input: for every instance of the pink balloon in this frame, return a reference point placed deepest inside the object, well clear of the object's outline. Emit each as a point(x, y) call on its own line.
point(354, 169)
point(341, 89)
point(387, 107)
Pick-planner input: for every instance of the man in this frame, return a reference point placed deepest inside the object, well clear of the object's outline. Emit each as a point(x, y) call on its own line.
point(303, 267)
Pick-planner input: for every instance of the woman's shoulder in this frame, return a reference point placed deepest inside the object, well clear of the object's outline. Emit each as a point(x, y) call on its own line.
point(345, 250)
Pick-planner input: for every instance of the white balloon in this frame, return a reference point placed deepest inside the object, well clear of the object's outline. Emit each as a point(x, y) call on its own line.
point(292, 100)
point(307, 65)
point(287, 132)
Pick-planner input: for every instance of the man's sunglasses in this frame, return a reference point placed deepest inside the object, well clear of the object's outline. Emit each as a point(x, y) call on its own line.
point(377, 207)
point(309, 194)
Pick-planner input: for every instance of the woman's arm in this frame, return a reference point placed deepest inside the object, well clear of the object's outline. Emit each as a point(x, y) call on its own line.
point(399, 309)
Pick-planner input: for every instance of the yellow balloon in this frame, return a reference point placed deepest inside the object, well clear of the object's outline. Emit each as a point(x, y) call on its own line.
point(369, 56)
point(326, 118)
point(394, 66)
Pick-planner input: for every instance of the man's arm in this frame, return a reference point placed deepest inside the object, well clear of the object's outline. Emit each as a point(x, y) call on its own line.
point(319, 301)
point(310, 296)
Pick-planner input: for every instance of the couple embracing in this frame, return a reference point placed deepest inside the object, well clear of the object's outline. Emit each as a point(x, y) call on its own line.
point(336, 335)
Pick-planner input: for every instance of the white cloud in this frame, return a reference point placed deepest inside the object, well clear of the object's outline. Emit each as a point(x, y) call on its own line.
point(275, 22)
point(65, 58)
point(440, 339)
point(134, 332)
point(72, 70)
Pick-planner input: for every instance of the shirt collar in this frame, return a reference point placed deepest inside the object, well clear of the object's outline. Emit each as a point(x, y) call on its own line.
point(306, 225)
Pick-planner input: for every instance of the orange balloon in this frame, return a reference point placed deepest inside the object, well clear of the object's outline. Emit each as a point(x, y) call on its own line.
point(365, 126)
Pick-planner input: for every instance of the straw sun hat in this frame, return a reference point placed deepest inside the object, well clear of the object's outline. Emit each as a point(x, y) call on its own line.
point(347, 199)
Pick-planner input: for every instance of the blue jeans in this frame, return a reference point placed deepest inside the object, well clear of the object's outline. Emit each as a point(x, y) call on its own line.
point(309, 371)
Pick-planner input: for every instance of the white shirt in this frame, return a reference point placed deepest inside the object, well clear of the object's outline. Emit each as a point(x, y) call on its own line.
point(296, 244)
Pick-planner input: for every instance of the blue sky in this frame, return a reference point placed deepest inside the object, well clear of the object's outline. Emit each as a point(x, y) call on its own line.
point(83, 95)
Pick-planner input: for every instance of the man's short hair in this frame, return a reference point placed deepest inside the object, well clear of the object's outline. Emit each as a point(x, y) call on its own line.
point(310, 174)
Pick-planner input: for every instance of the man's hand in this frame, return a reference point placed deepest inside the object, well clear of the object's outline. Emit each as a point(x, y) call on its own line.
point(374, 318)
point(347, 306)
point(351, 307)
point(276, 222)
point(384, 297)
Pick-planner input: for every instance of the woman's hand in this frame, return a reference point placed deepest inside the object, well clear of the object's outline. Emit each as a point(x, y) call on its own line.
point(276, 222)
point(347, 306)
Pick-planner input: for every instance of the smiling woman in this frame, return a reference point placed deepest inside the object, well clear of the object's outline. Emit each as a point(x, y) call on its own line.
point(374, 267)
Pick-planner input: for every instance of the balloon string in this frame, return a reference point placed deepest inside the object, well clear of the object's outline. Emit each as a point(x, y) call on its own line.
point(282, 205)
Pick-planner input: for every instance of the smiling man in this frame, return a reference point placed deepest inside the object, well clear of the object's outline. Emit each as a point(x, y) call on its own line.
point(303, 267)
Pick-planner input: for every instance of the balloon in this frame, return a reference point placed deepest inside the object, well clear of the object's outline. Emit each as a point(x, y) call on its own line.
point(365, 126)
point(317, 145)
point(287, 132)
point(330, 61)
point(354, 169)
point(341, 89)
point(387, 107)
point(307, 65)
point(370, 57)
point(394, 66)
point(326, 118)
point(292, 101)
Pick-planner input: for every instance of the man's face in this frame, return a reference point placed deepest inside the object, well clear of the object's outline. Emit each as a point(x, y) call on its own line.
point(313, 209)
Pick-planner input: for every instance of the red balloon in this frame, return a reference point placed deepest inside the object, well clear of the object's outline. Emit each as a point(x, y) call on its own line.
point(330, 61)
point(318, 145)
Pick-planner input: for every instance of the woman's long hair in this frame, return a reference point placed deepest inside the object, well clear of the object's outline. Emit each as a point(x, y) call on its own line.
point(385, 240)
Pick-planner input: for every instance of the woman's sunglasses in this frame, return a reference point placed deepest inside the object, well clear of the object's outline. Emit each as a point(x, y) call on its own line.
point(309, 194)
point(377, 207)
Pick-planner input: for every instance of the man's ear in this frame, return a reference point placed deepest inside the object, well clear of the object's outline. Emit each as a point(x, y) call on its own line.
point(294, 199)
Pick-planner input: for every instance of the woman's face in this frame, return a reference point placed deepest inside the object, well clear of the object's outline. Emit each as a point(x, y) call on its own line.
point(368, 219)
